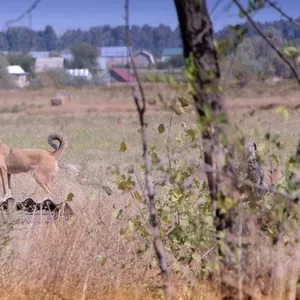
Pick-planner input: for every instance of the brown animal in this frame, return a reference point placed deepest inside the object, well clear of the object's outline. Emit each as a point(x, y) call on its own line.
point(42, 162)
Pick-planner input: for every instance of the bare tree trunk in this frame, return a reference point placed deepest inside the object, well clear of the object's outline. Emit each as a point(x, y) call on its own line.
point(197, 36)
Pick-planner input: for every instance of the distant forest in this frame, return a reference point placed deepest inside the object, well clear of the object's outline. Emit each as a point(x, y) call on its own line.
point(145, 37)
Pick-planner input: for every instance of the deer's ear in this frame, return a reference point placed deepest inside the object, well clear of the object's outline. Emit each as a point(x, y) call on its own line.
point(255, 148)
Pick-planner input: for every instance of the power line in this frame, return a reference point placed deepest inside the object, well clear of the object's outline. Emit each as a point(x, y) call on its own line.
point(28, 11)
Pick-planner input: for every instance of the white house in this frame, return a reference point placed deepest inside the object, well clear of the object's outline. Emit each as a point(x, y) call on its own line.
point(19, 75)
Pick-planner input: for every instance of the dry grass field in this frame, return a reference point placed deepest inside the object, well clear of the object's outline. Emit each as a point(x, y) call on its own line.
point(86, 257)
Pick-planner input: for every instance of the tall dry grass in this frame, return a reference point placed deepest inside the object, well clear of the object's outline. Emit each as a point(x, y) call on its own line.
point(86, 257)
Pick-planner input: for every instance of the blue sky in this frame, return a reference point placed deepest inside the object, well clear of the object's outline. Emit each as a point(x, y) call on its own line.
point(67, 14)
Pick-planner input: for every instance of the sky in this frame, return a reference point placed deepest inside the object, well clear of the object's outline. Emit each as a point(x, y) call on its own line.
point(70, 14)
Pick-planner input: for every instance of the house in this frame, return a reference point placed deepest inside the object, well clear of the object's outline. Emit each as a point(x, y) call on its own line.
point(115, 55)
point(43, 64)
point(19, 75)
point(117, 75)
point(143, 59)
point(171, 52)
point(83, 73)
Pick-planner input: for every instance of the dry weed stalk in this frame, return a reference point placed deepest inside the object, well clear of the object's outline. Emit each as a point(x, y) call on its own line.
point(141, 109)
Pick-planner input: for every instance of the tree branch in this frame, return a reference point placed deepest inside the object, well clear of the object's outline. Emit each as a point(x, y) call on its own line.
point(270, 189)
point(273, 5)
point(269, 42)
point(141, 108)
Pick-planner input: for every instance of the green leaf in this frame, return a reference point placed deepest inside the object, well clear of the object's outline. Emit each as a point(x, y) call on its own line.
point(161, 128)
point(229, 203)
point(283, 111)
point(262, 149)
point(286, 114)
point(70, 197)
point(138, 196)
point(184, 101)
point(274, 157)
point(191, 133)
point(122, 147)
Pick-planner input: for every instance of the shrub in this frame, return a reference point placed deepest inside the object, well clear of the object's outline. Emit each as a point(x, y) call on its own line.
point(161, 65)
point(24, 60)
point(61, 79)
point(35, 83)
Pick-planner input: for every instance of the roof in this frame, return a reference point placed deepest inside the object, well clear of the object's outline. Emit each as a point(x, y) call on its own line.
point(146, 53)
point(122, 75)
point(15, 70)
point(172, 51)
point(39, 54)
point(113, 51)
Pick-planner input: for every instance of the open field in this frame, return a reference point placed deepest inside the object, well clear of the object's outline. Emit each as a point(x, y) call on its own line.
point(87, 257)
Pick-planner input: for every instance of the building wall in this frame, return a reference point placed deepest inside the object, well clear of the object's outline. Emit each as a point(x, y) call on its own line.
point(44, 64)
point(20, 80)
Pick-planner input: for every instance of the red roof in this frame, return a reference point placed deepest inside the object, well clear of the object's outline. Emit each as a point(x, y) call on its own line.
point(123, 75)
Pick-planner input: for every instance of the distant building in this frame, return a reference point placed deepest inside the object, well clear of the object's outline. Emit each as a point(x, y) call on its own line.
point(143, 59)
point(121, 75)
point(49, 63)
point(114, 55)
point(116, 75)
point(171, 52)
point(21, 78)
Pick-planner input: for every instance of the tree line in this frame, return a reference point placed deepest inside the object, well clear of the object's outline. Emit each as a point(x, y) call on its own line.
point(145, 37)
point(151, 38)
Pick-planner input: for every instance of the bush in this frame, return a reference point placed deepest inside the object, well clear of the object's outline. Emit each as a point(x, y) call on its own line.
point(84, 57)
point(161, 65)
point(176, 61)
point(61, 79)
point(35, 83)
point(24, 60)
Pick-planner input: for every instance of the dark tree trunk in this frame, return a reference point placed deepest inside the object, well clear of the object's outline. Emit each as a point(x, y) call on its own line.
point(197, 36)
